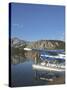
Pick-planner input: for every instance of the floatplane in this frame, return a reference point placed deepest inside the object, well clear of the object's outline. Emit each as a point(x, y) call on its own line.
point(45, 64)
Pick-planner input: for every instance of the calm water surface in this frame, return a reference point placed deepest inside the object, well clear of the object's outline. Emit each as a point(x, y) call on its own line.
point(23, 75)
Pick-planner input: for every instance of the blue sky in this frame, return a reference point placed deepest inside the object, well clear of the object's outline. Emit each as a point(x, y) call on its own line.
point(37, 22)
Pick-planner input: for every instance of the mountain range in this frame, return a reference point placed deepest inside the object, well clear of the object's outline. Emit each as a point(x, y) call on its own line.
point(49, 44)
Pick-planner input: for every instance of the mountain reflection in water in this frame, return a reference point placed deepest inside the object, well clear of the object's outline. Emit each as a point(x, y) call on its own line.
point(22, 73)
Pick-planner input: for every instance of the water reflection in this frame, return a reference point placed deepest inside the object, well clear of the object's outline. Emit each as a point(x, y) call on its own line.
point(22, 73)
point(17, 58)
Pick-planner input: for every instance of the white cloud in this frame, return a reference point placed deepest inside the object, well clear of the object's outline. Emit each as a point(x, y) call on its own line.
point(17, 25)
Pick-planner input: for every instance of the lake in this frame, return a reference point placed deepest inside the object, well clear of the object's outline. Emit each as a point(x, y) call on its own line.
point(22, 73)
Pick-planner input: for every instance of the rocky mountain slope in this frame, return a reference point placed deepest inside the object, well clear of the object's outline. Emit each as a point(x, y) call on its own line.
point(49, 44)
